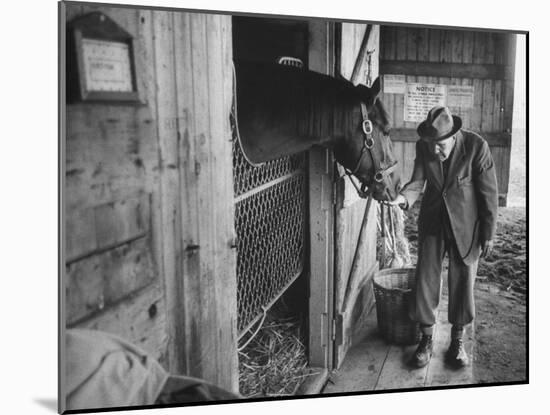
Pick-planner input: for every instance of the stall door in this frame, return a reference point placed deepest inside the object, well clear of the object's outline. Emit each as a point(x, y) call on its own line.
point(355, 218)
point(270, 200)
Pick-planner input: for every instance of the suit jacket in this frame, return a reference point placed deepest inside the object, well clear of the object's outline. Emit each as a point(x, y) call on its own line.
point(469, 193)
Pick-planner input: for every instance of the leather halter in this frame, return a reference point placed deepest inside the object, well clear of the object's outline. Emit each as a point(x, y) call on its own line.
point(368, 144)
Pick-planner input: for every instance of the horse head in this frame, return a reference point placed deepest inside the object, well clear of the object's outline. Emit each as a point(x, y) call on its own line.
point(366, 150)
point(284, 110)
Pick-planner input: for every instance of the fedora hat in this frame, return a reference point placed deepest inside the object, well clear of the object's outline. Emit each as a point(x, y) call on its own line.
point(439, 124)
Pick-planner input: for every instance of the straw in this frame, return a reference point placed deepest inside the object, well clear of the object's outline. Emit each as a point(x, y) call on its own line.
point(275, 362)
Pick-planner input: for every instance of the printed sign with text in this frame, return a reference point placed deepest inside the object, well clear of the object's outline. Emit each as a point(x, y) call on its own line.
point(420, 98)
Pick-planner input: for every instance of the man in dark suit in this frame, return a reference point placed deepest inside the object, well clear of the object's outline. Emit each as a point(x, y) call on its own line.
point(457, 216)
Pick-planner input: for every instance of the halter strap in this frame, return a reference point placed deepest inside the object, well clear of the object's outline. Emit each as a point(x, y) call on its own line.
point(368, 144)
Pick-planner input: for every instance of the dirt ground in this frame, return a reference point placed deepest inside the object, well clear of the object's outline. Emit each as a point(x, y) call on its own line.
point(501, 294)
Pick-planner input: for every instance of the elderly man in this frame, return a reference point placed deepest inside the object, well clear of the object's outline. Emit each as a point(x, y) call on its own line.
point(457, 216)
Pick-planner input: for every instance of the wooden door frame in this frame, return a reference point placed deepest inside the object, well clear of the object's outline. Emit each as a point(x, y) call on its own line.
point(321, 215)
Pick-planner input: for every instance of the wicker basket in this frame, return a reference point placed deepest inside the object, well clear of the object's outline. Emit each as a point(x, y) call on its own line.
point(392, 288)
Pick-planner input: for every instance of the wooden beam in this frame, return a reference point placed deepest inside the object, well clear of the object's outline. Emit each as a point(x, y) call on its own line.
point(453, 70)
point(409, 135)
point(321, 217)
point(363, 50)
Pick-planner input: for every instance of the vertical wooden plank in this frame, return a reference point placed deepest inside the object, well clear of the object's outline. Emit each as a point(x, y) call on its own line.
point(508, 100)
point(500, 48)
point(223, 276)
point(487, 107)
point(162, 26)
point(398, 110)
point(501, 160)
point(479, 47)
point(191, 299)
point(145, 57)
point(409, 154)
point(199, 360)
point(508, 92)
point(498, 109)
point(446, 46)
point(189, 171)
point(407, 124)
point(400, 54)
point(374, 45)
point(435, 43)
point(468, 46)
point(457, 45)
point(412, 41)
point(504, 176)
point(423, 45)
point(467, 112)
point(401, 43)
point(215, 365)
point(475, 119)
point(489, 39)
point(388, 42)
point(203, 87)
point(456, 110)
point(321, 221)
point(341, 232)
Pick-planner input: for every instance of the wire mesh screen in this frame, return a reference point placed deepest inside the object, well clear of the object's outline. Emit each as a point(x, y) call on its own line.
point(270, 227)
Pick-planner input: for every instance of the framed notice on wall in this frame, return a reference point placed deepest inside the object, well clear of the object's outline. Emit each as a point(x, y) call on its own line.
point(104, 59)
point(420, 98)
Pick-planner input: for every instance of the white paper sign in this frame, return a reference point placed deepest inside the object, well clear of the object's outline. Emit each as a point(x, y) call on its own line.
point(394, 84)
point(421, 98)
point(460, 96)
point(107, 65)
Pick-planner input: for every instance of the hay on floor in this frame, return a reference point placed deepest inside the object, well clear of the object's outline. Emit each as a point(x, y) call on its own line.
point(274, 363)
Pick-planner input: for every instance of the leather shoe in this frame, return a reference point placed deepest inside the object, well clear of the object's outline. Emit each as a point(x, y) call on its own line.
point(456, 355)
point(423, 352)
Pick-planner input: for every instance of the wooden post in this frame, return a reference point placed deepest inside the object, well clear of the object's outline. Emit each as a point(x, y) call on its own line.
point(321, 214)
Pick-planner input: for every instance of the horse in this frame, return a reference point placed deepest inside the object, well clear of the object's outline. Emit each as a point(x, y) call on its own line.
point(282, 110)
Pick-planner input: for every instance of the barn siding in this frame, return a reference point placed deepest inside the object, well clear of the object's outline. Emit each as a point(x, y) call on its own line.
point(148, 199)
point(493, 54)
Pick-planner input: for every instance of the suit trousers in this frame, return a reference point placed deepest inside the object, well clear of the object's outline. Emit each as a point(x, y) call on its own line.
point(427, 291)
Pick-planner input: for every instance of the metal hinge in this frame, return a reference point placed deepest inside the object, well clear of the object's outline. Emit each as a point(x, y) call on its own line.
point(338, 330)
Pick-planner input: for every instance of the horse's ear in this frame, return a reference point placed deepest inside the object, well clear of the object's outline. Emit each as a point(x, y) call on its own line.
point(375, 88)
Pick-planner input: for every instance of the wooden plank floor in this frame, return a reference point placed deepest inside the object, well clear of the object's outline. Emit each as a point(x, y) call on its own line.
point(372, 364)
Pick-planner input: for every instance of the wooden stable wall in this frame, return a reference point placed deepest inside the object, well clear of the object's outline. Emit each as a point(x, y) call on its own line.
point(454, 57)
point(148, 200)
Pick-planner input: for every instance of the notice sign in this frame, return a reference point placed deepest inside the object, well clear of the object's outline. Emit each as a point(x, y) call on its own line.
point(421, 98)
point(394, 84)
point(460, 96)
point(107, 65)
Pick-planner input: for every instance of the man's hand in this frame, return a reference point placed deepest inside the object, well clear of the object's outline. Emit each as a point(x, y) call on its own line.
point(399, 200)
point(486, 248)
